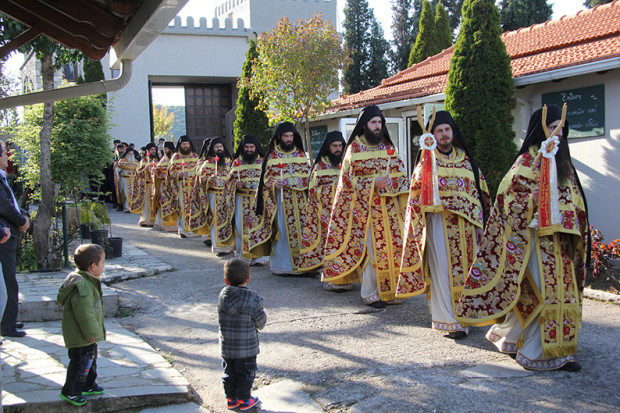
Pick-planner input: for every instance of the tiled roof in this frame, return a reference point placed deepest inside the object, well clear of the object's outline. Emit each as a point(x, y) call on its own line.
point(588, 36)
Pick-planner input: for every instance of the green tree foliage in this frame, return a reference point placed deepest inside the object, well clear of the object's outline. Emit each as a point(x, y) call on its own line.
point(480, 90)
point(443, 31)
point(379, 47)
point(162, 122)
point(523, 13)
point(80, 144)
point(593, 3)
point(425, 44)
point(249, 118)
point(453, 8)
point(51, 56)
point(296, 70)
point(365, 52)
point(402, 22)
point(93, 71)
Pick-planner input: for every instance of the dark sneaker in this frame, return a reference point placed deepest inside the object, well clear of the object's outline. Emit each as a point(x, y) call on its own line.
point(74, 400)
point(250, 404)
point(233, 403)
point(95, 390)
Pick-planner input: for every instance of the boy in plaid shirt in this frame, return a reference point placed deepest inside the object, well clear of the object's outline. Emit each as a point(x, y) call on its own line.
point(241, 314)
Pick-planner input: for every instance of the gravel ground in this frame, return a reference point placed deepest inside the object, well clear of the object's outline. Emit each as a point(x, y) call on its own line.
point(349, 357)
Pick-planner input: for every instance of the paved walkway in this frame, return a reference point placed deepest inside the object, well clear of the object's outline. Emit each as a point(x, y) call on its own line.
point(133, 374)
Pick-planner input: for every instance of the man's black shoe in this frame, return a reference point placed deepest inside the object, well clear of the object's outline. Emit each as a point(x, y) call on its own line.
point(571, 366)
point(456, 335)
point(19, 325)
point(377, 304)
point(13, 333)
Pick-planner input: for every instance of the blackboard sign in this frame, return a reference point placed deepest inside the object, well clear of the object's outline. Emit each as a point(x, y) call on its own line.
point(317, 134)
point(585, 109)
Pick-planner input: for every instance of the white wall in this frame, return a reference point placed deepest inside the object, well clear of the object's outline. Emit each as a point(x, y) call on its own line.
point(179, 54)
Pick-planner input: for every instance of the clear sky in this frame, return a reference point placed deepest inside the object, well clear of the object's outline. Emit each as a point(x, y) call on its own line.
point(205, 8)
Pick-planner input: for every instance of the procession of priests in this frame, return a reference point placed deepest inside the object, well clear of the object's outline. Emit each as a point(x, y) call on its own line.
point(354, 216)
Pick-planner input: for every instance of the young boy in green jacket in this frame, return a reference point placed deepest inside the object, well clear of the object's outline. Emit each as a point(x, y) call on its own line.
point(82, 322)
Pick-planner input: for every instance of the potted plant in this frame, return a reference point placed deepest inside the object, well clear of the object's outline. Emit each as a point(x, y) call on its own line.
point(87, 221)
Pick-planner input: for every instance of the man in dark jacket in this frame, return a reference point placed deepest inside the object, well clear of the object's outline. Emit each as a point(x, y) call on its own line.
point(13, 218)
point(241, 314)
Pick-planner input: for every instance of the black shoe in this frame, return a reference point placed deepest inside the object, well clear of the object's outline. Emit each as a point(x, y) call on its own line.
point(207, 242)
point(456, 335)
point(13, 333)
point(512, 355)
point(571, 366)
point(377, 304)
point(19, 325)
point(183, 235)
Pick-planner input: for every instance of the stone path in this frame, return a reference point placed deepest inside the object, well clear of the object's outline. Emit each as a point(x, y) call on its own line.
point(133, 374)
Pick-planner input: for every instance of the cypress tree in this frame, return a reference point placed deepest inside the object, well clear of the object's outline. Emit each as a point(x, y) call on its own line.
point(377, 62)
point(402, 41)
point(523, 13)
point(249, 119)
point(592, 3)
point(479, 94)
point(443, 31)
point(356, 38)
point(364, 40)
point(425, 45)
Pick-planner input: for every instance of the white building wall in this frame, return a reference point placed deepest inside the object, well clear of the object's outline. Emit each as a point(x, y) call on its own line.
point(182, 53)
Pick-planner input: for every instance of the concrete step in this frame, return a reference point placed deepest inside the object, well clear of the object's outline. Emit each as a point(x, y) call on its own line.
point(37, 297)
point(132, 373)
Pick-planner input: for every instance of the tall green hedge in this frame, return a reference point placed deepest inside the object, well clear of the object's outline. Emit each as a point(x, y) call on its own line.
point(250, 120)
point(480, 90)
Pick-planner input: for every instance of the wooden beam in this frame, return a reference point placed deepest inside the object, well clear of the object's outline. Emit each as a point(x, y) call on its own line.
point(18, 42)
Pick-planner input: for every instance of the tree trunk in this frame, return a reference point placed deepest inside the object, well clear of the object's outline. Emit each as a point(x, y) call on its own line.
point(308, 138)
point(43, 221)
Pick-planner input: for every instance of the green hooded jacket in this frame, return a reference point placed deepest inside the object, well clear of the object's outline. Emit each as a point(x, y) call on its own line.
point(82, 315)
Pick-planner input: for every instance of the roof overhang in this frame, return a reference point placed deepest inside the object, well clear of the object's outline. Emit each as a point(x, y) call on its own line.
point(93, 27)
point(577, 70)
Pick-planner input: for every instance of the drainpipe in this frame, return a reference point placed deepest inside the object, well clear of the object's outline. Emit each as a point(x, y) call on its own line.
point(93, 88)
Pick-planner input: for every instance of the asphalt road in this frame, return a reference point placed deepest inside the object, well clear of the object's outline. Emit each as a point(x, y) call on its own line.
point(350, 357)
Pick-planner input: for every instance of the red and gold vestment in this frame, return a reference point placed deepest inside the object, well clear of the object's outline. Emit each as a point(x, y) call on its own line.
point(361, 212)
point(321, 192)
point(461, 213)
point(293, 168)
point(499, 281)
point(181, 172)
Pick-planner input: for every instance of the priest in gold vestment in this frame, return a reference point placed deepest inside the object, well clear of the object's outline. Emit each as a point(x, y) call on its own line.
point(365, 233)
point(528, 276)
point(281, 200)
point(323, 182)
point(448, 201)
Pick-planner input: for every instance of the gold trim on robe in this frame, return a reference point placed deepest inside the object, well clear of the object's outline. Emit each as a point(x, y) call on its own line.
point(179, 176)
point(360, 210)
point(141, 187)
point(321, 192)
point(249, 176)
point(498, 283)
point(295, 173)
point(461, 213)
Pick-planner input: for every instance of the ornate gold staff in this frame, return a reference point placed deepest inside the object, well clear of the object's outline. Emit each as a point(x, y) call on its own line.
point(546, 130)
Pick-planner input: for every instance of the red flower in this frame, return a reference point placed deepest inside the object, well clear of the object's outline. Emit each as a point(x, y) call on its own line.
point(552, 333)
point(330, 240)
point(511, 259)
point(281, 165)
point(390, 151)
point(566, 330)
point(377, 201)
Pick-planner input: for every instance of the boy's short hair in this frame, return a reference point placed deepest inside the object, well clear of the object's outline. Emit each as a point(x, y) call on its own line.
point(236, 272)
point(87, 254)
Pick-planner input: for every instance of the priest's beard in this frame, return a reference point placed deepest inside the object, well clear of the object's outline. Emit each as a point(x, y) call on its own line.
point(222, 160)
point(185, 152)
point(249, 158)
point(562, 161)
point(373, 138)
point(334, 158)
point(287, 147)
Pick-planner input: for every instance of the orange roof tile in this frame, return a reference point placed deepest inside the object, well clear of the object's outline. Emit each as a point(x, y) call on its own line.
point(588, 36)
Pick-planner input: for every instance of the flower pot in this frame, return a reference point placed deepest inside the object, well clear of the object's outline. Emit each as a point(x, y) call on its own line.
point(85, 231)
point(99, 236)
point(117, 246)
